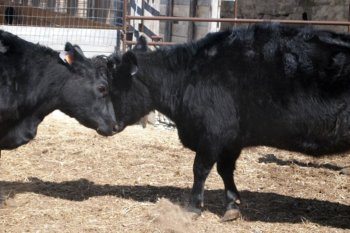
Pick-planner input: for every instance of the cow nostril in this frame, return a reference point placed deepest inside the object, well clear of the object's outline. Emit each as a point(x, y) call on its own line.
point(115, 129)
point(118, 128)
point(99, 130)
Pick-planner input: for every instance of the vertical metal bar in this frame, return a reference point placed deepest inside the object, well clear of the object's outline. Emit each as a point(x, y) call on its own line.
point(143, 14)
point(349, 18)
point(168, 24)
point(191, 25)
point(235, 11)
point(125, 25)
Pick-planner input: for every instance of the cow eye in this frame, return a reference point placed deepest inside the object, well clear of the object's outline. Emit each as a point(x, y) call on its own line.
point(103, 90)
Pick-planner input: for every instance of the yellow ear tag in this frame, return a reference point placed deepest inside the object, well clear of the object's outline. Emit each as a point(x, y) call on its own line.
point(69, 59)
point(66, 57)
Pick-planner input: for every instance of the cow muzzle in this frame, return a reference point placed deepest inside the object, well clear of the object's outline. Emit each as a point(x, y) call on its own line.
point(107, 131)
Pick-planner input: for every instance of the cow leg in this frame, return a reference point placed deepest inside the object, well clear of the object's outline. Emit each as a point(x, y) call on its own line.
point(225, 168)
point(203, 163)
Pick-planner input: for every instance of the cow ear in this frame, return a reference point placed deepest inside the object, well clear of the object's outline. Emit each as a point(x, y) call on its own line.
point(113, 61)
point(71, 53)
point(67, 57)
point(141, 44)
point(78, 51)
point(129, 63)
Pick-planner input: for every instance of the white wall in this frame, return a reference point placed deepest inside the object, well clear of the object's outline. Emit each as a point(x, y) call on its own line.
point(92, 41)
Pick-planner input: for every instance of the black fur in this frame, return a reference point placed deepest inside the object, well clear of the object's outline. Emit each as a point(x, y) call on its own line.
point(34, 81)
point(273, 85)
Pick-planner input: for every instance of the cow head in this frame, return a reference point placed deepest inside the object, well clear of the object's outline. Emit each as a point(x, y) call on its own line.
point(130, 96)
point(85, 94)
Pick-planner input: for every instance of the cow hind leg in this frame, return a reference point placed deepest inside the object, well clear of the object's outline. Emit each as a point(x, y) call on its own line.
point(225, 167)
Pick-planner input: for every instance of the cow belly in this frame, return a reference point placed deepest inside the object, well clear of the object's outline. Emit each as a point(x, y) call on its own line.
point(305, 123)
point(315, 138)
point(314, 147)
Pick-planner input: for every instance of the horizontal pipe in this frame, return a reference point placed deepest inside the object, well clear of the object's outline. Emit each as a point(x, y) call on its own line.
point(233, 20)
point(129, 42)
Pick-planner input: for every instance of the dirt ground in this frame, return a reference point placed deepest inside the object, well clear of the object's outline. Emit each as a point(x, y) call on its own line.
point(69, 179)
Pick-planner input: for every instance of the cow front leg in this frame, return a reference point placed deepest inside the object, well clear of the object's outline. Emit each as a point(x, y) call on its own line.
point(225, 168)
point(201, 169)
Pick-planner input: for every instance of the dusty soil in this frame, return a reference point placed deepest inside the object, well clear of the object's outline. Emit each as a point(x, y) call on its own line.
point(69, 179)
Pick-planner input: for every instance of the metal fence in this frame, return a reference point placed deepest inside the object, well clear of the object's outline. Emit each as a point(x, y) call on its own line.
point(93, 24)
point(99, 25)
point(234, 21)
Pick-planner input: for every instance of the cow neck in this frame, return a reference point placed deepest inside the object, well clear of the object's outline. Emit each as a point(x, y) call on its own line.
point(47, 87)
point(164, 79)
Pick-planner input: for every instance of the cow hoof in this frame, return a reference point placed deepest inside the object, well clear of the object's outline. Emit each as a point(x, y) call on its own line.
point(345, 171)
point(230, 215)
point(194, 210)
point(194, 216)
point(194, 213)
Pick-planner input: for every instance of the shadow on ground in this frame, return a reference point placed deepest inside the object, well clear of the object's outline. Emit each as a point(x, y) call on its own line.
point(271, 158)
point(257, 206)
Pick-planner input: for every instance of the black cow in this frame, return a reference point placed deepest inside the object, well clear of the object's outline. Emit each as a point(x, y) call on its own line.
point(35, 80)
point(9, 14)
point(273, 85)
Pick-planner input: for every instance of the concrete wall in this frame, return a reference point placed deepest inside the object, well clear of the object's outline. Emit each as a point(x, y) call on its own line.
point(92, 41)
point(293, 9)
point(205, 9)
